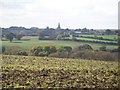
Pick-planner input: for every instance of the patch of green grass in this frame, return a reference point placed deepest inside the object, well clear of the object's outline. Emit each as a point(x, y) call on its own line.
point(104, 36)
point(90, 39)
point(35, 42)
point(109, 36)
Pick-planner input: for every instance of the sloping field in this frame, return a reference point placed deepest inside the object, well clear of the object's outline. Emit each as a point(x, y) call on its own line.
point(43, 72)
point(35, 42)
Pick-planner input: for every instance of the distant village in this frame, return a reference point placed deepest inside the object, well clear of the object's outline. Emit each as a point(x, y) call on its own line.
point(35, 31)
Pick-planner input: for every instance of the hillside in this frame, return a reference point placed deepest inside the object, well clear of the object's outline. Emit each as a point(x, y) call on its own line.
point(43, 72)
point(27, 42)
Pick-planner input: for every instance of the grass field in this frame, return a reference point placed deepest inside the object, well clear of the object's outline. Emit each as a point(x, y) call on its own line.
point(43, 72)
point(35, 42)
point(87, 37)
point(104, 36)
point(81, 38)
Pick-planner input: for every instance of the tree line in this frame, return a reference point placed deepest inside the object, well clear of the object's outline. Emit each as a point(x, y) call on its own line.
point(11, 36)
point(83, 52)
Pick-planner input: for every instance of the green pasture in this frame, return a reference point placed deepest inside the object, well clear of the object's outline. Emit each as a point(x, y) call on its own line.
point(104, 36)
point(90, 39)
point(108, 36)
point(114, 37)
point(27, 44)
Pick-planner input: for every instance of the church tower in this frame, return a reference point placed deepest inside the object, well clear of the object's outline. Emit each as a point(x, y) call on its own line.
point(58, 28)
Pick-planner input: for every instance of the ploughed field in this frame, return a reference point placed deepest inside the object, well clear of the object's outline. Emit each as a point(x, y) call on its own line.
point(44, 72)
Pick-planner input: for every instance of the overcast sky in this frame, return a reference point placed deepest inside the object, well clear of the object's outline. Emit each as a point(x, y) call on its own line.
point(92, 14)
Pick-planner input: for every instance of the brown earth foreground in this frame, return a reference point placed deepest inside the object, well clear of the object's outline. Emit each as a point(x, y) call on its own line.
point(19, 74)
